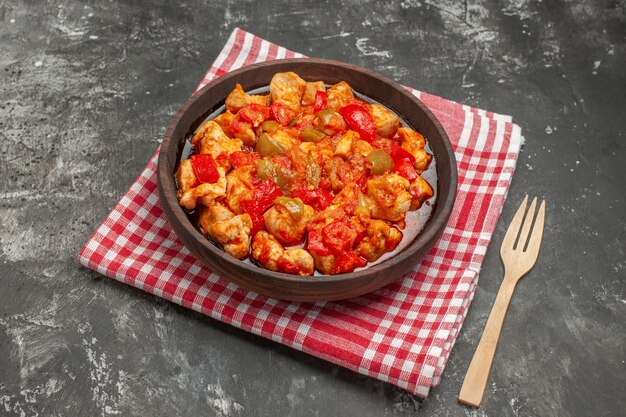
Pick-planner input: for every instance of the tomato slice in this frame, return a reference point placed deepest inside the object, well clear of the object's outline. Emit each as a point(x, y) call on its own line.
point(239, 159)
point(282, 113)
point(405, 168)
point(263, 196)
point(359, 120)
point(258, 224)
point(338, 236)
point(319, 198)
point(321, 100)
point(205, 168)
point(255, 114)
point(239, 123)
point(315, 243)
point(347, 262)
point(398, 153)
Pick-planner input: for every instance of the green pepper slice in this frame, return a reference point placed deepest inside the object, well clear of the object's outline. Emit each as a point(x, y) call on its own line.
point(268, 146)
point(269, 170)
point(380, 160)
point(266, 169)
point(325, 115)
point(294, 206)
point(270, 126)
point(311, 135)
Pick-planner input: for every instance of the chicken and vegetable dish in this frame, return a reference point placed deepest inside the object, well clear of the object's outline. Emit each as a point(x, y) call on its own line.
point(307, 177)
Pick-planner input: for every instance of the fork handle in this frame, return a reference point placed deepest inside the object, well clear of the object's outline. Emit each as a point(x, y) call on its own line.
point(478, 372)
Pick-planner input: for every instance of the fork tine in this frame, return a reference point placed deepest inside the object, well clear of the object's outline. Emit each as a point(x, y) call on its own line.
point(511, 232)
point(537, 233)
point(528, 221)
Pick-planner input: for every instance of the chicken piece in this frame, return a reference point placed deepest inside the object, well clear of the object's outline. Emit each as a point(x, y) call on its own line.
point(308, 99)
point(239, 186)
point(208, 215)
point(185, 177)
point(324, 263)
point(245, 132)
point(212, 192)
point(207, 193)
point(347, 198)
point(389, 197)
point(210, 129)
point(282, 225)
point(379, 239)
point(361, 148)
point(344, 146)
point(321, 151)
point(387, 123)
point(298, 160)
point(267, 251)
point(224, 120)
point(422, 160)
point(287, 88)
point(283, 139)
point(233, 234)
point(416, 140)
point(214, 141)
point(230, 231)
point(340, 95)
point(238, 99)
point(326, 216)
point(296, 261)
point(307, 147)
point(414, 143)
point(421, 191)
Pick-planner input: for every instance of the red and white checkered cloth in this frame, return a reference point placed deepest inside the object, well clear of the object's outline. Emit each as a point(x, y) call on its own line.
point(402, 333)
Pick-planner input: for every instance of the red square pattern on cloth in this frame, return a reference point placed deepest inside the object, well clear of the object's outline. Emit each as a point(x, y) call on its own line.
point(402, 333)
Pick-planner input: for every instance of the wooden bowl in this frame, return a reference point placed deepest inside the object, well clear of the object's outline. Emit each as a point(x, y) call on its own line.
point(287, 286)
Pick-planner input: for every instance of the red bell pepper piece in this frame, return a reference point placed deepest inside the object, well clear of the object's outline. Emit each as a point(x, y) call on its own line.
point(239, 123)
point(321, 100)
point(406, 169)
point(205, 168)
point(239, 159)
point(263, 196)
point(398, 153)
point(338, 236)
point(325, 184)
point(347, 262)
point(258, 224)
point(282, 113)
point(319, 198)
point(255, 114)
point(315, 243)
point(359, 120)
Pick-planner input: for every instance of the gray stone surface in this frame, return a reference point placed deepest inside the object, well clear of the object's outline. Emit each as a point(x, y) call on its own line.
point(86, 91)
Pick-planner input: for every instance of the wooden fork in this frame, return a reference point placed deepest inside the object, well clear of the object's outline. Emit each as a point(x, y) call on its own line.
point(519, 251)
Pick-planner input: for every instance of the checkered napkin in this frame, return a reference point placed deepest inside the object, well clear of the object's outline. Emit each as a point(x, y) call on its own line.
point(402, 333)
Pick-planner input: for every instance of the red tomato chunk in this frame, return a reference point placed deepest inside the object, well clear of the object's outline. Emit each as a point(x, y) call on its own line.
point(205, 168)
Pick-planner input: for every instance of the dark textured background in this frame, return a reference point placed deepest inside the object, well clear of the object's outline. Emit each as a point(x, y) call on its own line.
point(86, 92)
